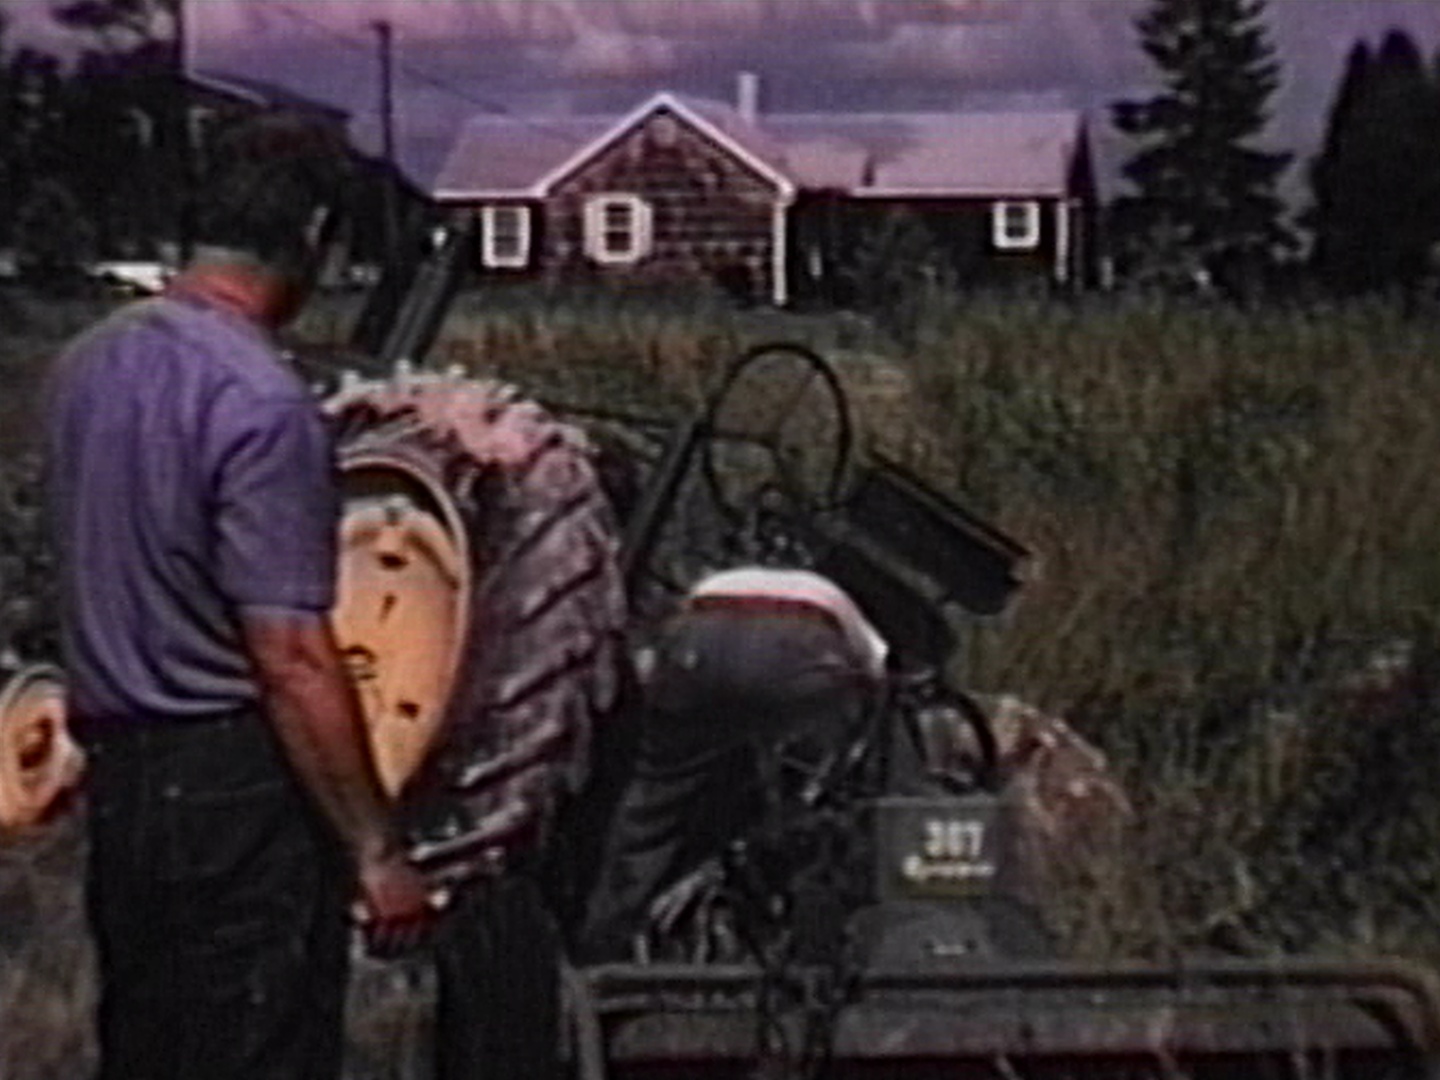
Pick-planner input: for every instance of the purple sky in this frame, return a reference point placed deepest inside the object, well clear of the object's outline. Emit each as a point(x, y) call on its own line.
point(553, 56)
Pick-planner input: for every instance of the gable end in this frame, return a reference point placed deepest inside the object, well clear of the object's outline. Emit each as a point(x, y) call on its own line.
point(668, 111)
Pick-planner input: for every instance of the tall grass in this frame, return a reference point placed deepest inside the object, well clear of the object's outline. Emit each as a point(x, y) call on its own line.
point(1234, 513)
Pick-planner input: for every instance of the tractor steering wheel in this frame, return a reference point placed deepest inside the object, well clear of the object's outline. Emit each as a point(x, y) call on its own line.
point(778, 420)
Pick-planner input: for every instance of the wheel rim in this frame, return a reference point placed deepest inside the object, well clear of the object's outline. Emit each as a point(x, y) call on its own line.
point(401, 612)
point(39, 762)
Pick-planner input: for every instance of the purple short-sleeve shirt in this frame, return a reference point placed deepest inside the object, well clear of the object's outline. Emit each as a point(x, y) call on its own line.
point(190, 476)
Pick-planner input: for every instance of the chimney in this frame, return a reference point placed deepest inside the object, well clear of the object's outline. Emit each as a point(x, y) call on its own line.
point(747, 96)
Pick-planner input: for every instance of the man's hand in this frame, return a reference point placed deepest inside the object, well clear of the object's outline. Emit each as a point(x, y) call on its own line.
point(396, 906)
point(316, 714)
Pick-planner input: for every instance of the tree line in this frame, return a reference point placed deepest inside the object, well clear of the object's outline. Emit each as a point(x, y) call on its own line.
point(93, 155)
point(1205, 207)
point(91, 152)
point(1376, 181)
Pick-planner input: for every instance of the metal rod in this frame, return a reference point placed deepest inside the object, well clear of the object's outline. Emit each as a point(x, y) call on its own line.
point(385, 40)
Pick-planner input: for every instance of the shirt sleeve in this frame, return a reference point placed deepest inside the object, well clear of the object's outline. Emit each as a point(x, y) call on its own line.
point(276, 506)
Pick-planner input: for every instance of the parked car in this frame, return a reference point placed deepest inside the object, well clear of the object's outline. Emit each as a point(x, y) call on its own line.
point(131, 277)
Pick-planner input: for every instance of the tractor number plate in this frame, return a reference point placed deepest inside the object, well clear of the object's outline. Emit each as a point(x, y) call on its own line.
point(932, 848)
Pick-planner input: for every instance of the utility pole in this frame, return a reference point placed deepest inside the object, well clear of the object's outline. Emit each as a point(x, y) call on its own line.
point(385, 39)
point(185, 139)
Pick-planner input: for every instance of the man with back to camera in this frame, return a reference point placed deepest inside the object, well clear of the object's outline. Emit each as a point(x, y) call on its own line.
point(234, 806)
point(753, 657)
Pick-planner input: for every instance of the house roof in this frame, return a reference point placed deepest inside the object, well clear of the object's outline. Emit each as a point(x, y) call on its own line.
point(866, 154)
point(932, 154)
point(500, 155)
point(263, 94)
point(421, 154)
point(497, 156)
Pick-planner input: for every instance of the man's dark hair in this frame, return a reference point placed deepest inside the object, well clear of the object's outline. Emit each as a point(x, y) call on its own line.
point(267, 177)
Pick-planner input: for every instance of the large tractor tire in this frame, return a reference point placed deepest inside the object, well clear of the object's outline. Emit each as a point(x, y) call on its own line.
point(40, 765)
point(481, 605)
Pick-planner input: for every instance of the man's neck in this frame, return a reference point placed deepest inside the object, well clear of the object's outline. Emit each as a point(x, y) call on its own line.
point(240, 284)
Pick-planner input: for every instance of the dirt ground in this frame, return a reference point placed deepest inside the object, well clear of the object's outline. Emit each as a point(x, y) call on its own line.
point(47, 979)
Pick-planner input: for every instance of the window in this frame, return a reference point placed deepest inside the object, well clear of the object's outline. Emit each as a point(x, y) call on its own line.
point(505, 236)
point(617, 228)
point(1015, 226)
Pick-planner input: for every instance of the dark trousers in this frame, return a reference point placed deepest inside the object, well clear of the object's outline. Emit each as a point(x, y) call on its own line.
point(497, 963)
point(218, 905)
point(730, 683)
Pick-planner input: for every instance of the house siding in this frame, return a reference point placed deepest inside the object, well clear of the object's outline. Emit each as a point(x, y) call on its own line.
point(712, 214)
point(1085, 238)
point(829, 229)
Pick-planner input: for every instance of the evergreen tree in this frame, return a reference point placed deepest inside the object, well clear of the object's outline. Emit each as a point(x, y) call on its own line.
point(1205, 202)
point(53, 236)
point(106, 133)
point(1334, 218)
point(124, 120)
point(34, 87)
point(1376, 182)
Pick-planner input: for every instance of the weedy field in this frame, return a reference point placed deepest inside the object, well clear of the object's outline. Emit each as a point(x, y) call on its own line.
point(1237, 518)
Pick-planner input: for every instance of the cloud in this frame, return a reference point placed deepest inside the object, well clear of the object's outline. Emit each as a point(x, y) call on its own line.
point(585, 54)
point(1040, 45)
point(596, 30)
point(614, 55)
point(962, 54)
point(458, 57)
point(32, 24)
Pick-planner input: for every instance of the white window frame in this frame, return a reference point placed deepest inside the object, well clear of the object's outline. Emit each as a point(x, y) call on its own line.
point(491, 253)
point(1004, 232)
point(597, 232)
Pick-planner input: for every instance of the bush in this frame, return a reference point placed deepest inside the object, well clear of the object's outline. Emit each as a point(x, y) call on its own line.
point(28, 596)
point(54, 240)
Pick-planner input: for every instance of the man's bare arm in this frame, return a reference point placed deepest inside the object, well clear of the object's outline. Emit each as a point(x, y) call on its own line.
point(316, 713)
point(317, 716)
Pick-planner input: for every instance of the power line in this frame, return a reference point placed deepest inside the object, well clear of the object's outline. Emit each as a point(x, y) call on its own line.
point(417, 75)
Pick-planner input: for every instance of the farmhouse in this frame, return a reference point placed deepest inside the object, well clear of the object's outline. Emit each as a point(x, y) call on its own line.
point(769, 207)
